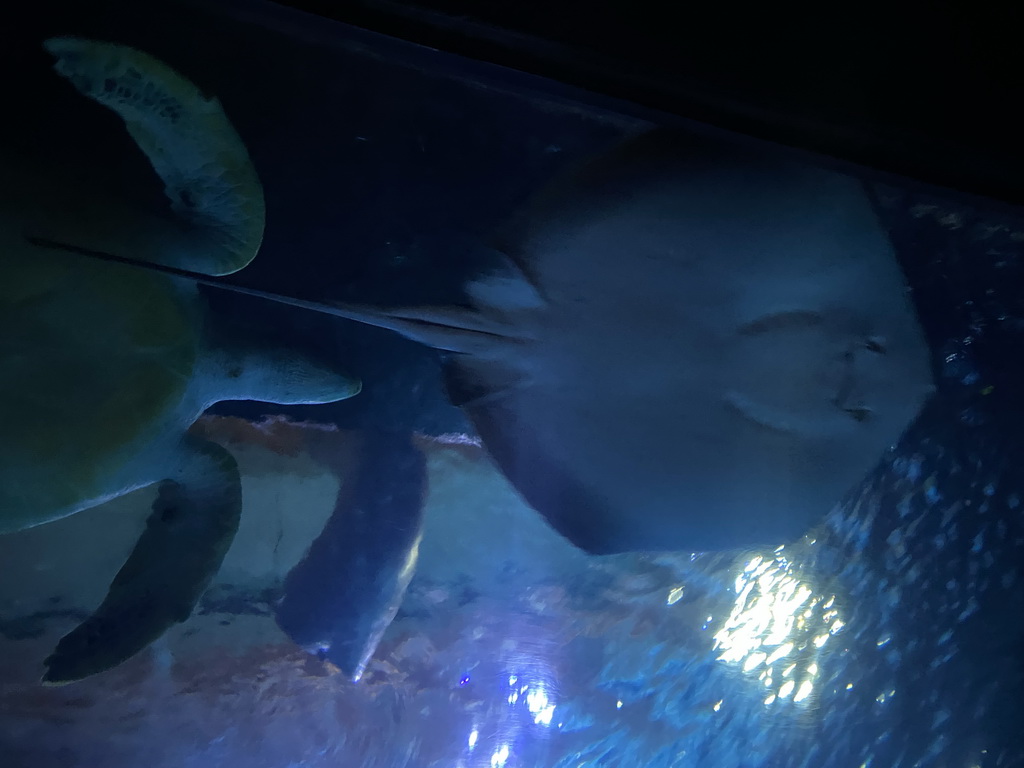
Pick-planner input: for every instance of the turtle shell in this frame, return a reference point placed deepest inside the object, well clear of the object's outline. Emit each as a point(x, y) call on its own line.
point(96, 359)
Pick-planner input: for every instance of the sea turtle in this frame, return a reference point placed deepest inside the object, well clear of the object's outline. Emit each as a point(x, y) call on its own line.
point(105, 367)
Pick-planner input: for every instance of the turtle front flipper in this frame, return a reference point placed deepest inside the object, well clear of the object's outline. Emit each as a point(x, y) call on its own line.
point(268, 372)
point(209, 178)
point(194, 520)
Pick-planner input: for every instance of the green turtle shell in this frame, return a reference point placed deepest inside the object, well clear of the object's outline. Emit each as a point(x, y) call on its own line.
point(96, 356)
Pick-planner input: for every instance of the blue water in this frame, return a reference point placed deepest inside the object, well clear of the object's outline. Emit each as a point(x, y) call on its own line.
point(891, 638)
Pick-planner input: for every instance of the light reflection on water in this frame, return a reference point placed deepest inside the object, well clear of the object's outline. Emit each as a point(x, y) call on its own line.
point(529, 709)
point(778, 622)
point(772, 626)
point(777, 628)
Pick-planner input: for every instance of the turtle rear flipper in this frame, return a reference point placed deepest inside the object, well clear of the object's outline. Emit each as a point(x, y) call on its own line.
point(209, 178)
point(194, 520)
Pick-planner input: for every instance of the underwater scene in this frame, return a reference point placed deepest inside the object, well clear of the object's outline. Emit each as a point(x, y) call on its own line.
point(367, 406)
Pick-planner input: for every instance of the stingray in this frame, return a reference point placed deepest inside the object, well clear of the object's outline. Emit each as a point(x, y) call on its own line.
point(689, 345)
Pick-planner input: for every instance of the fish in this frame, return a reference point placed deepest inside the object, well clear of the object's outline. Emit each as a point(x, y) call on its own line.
point(687, 344)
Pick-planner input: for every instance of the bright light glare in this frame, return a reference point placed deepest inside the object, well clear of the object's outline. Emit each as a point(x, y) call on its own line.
point(500, 756)
point(775, 616)
point(539, 706)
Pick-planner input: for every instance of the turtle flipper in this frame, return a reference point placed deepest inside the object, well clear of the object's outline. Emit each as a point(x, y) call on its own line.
point(340, 600)
point(208, 175)
point(270, 372)
point(194, 521)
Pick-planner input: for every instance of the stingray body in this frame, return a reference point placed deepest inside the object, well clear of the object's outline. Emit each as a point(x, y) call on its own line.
point(691, 345)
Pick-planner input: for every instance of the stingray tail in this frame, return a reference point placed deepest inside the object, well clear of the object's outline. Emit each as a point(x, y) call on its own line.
point(452, 329)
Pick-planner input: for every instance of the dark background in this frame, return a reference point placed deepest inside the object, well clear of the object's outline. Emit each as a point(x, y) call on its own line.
point(927, 90)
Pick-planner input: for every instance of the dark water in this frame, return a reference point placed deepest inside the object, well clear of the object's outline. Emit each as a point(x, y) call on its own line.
point(383, 176)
